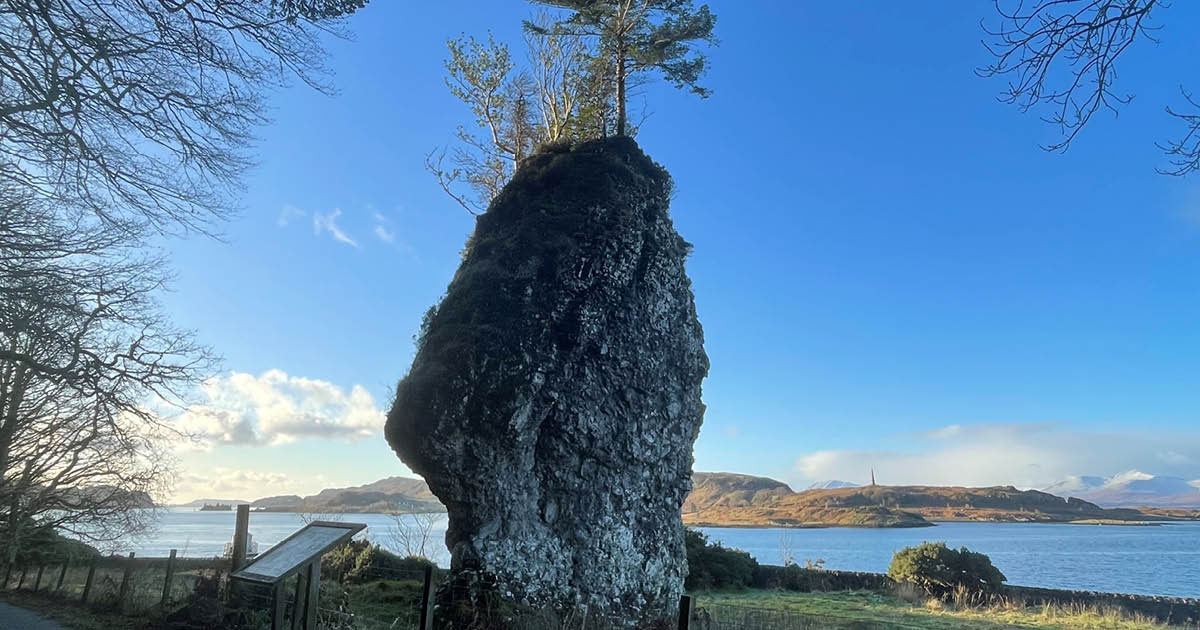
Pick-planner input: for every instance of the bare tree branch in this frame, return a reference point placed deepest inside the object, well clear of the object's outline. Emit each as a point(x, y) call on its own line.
point(1063, 54)
point(140, 111)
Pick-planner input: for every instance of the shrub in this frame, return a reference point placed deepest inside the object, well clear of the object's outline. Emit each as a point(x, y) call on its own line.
point(711, 565)
point(939, 570)
point(360, 561)
point(42, 545)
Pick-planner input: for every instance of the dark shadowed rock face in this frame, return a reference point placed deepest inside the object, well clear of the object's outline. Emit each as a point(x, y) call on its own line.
point(555, 395)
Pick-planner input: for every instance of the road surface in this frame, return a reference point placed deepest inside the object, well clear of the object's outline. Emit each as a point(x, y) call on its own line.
point(13, 618)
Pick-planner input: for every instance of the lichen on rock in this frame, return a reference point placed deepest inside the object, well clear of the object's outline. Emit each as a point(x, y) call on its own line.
point(555, 395)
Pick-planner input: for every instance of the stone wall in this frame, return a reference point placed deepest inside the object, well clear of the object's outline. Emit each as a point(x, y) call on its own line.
point(1174, 610)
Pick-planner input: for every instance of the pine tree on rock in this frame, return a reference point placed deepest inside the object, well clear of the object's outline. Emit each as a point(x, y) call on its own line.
point(638, 36)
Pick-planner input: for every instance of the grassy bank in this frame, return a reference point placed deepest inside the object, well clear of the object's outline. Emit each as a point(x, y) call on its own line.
point(391, 604)
point(865, 606)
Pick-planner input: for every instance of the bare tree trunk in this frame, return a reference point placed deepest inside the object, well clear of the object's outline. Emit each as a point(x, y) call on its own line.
point(9, 422)
point(621, 92)
point(14, 530)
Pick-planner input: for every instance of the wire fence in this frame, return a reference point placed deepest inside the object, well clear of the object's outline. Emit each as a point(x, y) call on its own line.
point(199, 593)
point(130, 585)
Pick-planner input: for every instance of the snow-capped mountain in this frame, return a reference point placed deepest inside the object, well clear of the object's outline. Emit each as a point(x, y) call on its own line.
point(832, 484)
point(1131, 488)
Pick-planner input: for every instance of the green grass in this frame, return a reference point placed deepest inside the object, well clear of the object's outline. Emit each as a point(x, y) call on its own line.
point(383, 603)
point(844, 609)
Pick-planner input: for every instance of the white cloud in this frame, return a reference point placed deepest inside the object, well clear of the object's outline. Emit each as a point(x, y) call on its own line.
point(732, 431)
point(384, 234)
point(381, 229)
point(225, 483)
point(328, 223)
point(287, 213)
point(1175, 458)
point(275, 408)
point(1023, 455)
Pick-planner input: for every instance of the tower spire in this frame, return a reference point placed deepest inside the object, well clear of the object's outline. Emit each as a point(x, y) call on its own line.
point(872, 476)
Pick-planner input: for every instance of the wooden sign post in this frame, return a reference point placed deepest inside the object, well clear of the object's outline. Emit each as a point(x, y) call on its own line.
point(298, 554)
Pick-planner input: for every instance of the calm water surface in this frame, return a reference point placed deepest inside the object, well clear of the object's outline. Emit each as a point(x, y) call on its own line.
point(1161, 560)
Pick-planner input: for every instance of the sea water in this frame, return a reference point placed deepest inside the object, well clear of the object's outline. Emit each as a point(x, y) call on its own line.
point(1154, 560)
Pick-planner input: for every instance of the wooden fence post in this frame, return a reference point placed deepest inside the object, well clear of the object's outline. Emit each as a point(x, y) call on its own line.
point(314, 594)
point(685, 612)
point(166, 598)
point(87, 585)
point(278, 602)
point(62, 575)
point(238, 560)
point(298, 600)
point(239, 536)
point(125, 579)
point(37, 583)
point(427, 600)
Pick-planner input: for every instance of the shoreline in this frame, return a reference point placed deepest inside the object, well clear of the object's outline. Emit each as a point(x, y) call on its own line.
point(936, 522)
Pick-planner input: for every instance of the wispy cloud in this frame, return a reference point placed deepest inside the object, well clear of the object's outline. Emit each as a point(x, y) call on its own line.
point(384, 234)
point(276, 408)
point(1031, 455)
point(328, 223)
point(287, 213)
point(381, 226)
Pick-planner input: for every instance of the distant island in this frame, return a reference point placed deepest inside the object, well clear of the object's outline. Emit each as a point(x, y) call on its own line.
point(392, 494)
point(215, 507)
point(720, 499)
point(735, 500)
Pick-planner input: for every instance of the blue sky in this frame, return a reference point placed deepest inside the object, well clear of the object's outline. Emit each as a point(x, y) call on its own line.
point(889, 271)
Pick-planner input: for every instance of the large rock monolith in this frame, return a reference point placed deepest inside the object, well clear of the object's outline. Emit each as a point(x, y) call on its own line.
point(555, 395)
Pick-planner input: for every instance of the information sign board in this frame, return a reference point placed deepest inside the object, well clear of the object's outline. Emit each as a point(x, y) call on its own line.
point(296, 551)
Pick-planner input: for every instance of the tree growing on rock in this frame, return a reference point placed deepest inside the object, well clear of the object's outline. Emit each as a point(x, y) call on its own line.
point(555, 96)
point(639, 36)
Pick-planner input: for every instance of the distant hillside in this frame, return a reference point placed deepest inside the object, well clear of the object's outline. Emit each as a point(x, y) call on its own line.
point(201, 502)
point(410, 488)
point(279, 501)
point(1131, 489)
point(995, 504)
point(735, 500)
point(386, 495)
point(105, 493)
point(727, 499)
point(721, 489)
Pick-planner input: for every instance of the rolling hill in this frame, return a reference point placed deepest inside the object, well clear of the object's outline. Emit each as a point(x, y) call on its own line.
point(386, 495)
point(727, 499)
point(735, 500)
